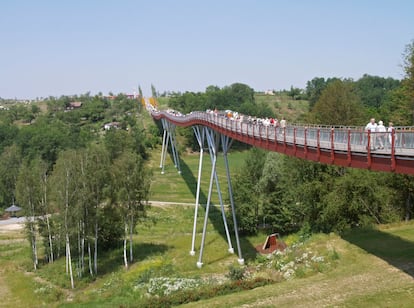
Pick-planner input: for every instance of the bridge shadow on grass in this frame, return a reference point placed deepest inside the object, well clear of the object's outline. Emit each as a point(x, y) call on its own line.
point(114, 259)
point(396, 251)
point(215, 216)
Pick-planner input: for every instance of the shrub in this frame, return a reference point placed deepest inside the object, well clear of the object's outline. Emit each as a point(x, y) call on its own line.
point(209, 291)
point(236, 273)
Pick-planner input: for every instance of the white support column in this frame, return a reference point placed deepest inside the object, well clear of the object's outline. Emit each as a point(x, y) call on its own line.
point(169, 138)
point(210, 188)
point(226, 144)
point(165, 144)
point(164, 137)
point(214, 139)
point(173, 147)
point(200, 135)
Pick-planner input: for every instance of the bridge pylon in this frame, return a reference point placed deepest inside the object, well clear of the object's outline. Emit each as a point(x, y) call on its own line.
point(169, 139)
point(213, 141)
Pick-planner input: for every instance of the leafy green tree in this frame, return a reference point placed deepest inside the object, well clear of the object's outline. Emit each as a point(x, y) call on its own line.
point(46, 138)
point(295, 93)
point(95, 181)
point(358, 198)
point(28, 195)
point(66, 194)
point(403, 186)
point(338, 105)
point(281, 208)
point(10, 161)
point(247, 191)
point(116, 142)
point(399, 108)
point(373, 90)
point(408, 81)
point(314, 89)
point(8, 133)
point(130, 192)
point(41, 172)
point(238, 93)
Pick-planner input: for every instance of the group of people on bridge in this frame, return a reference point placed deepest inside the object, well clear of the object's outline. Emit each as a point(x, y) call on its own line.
point(234, 115)
point(379, 134)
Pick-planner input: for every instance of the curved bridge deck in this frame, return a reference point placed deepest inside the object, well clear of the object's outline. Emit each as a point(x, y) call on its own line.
point(342, 146)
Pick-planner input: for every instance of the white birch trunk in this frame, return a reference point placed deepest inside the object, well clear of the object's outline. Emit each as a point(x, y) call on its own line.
point(83, 248)
point(79, 250)
point(131, 257)
point(34, 249)
point(90, 258)
point(33, 235)
point(69, 261)
point(95, 253)
point(125, 244)
point(49, 232)
point(51, 260)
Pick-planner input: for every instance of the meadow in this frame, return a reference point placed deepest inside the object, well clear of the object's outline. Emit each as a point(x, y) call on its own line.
point(370, 267)
point(360, 268)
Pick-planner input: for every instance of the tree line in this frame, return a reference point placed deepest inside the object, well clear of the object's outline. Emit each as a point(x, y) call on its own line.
point(83, 188)
point(287, 194)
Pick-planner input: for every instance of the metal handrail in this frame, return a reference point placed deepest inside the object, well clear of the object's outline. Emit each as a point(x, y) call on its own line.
point(340, 138)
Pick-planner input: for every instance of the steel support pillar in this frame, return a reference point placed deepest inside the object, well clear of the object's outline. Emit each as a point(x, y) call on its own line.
point(213, 141)
point(200, 135)
point(226, 144)
point(169, 138)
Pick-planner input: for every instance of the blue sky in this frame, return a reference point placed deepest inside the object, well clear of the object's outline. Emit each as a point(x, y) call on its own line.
point(74, 46)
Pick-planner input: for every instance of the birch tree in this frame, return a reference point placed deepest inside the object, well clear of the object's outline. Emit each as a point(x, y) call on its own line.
point(10, 160)
point(95, 179)
point(65, 180)
point(28, 196)
point(45, 211)
point(131, 183)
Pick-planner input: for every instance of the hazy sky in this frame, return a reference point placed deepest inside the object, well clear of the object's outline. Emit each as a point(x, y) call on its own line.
point(64, 47)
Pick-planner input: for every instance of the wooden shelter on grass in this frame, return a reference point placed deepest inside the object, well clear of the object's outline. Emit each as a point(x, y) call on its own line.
point(273, 242)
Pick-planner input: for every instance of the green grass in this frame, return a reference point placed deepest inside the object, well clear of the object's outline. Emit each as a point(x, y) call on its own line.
point(284, 106)
point(365, 268)
point(372, 267)
point(174, 187)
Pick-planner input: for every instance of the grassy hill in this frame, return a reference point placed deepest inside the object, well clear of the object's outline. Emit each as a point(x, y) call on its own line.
point(284, 106)
point(371, 268)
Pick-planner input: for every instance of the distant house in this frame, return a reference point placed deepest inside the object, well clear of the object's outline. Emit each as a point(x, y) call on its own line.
point(269, 92)
point(74, 105)
point(111, 125)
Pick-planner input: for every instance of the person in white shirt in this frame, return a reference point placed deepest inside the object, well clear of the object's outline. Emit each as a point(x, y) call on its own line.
point(390, 129)
point(372, 127)
point(381, 134)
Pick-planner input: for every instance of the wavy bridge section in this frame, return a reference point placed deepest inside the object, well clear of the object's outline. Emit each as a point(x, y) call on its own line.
point(342, 146)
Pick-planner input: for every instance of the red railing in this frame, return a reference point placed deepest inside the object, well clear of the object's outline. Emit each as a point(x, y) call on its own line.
point(343, 146)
